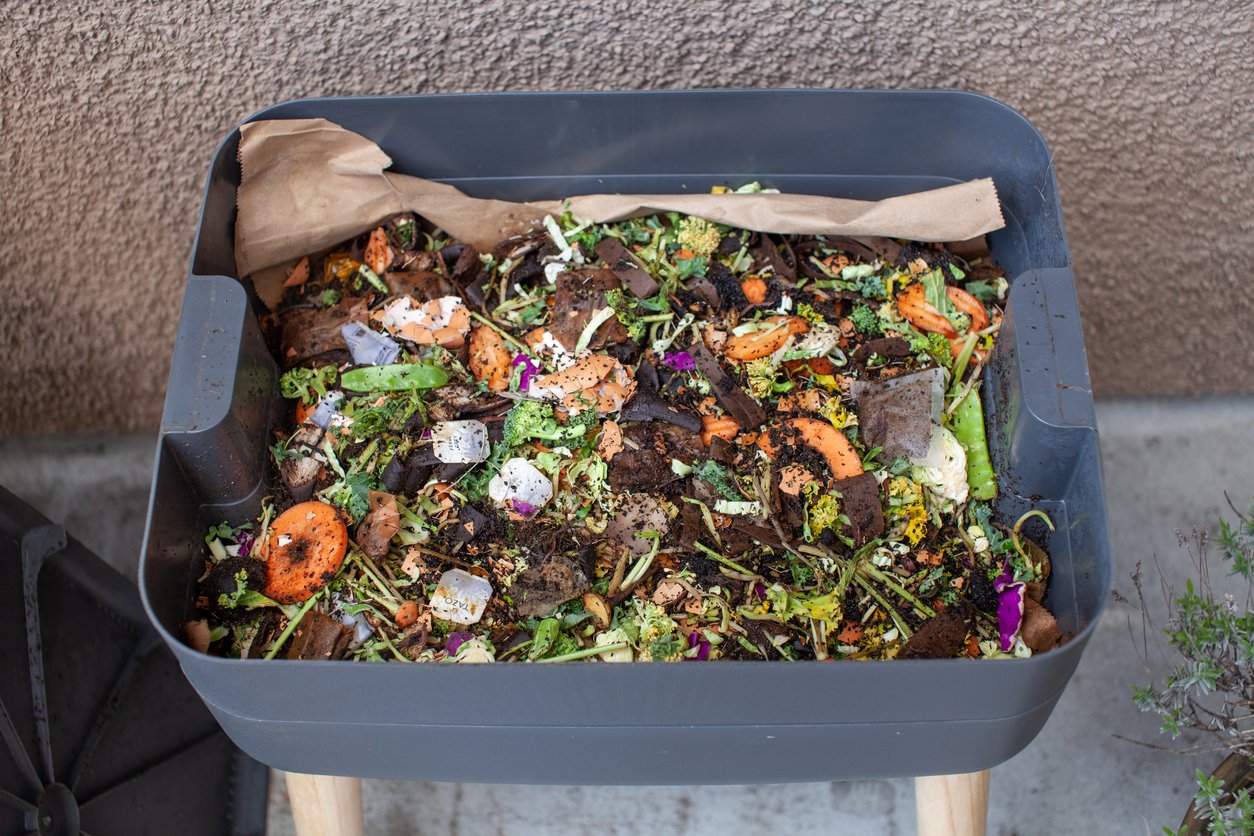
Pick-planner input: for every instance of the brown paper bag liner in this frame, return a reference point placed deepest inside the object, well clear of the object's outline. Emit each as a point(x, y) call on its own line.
point(308, 184)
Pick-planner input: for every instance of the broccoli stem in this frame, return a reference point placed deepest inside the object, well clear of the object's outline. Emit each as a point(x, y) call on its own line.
point(968, 428)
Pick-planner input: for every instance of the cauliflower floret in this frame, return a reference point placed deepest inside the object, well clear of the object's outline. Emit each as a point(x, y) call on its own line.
point(698, 235)
point(474, 651)
point(944, 468)
point(656, 631)
point(610, 637)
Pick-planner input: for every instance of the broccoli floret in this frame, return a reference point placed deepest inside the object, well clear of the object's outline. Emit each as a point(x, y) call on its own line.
point(307, 384)
point(626, 311)
point(865, 320)
point(692, 267)
point(933, 345)
point(718, 477)
point(873, 288)
point(534, 419)
point(351, 493)
point(577, 426)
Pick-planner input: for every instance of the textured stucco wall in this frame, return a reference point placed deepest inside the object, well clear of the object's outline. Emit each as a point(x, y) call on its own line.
point(112, 110)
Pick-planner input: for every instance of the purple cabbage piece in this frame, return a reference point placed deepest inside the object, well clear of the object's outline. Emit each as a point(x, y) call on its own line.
point(1005, 579)
point(1009, 615)
point(530, 370)
point(759, 591)
point(679, 361)
point(1009, 607)
point(246, 544)
point(695, 639)
point(524, 508)
point(456, 640)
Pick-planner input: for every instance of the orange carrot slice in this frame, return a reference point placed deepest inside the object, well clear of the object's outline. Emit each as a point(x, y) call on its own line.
point(489, 358)
point(724, 427)
point(378, 253)
point(767, 341)
point(303, 411)
point(754, 290)
point(841, 457)
point(406, 614)
point(913, 305)
point(306, 547)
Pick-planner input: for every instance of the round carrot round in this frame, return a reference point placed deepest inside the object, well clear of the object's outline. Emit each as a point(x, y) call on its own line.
point(841, 457)
point(306, 547)
point(406, 614)
point(754, 290)
point(303, 411)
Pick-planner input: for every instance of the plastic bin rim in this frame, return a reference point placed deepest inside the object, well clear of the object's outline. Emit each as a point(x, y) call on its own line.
point(930, 92)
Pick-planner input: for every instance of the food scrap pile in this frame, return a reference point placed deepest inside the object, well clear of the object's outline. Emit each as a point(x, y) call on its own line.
point(661, 439)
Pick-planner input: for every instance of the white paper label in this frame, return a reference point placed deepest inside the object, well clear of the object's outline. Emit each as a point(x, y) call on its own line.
point(460, 442)
point(327, 409)
point(521, 482)
point(460, 597)
point(369, 347)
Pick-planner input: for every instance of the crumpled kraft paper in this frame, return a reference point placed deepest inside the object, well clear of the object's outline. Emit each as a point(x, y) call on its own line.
point(308, 184)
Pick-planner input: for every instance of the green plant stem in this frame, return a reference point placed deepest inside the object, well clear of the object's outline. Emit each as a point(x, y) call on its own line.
point(514, 649)
point(1018, 543)
point(718, 558)
point(637, 572)
point(960, 365)
point(583, 653)
point(905, 631)
point(370, 571)
point(868, 570)
point(291, 625)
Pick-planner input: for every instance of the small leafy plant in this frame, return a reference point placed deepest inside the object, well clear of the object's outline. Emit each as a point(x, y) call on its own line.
point(1211, 687)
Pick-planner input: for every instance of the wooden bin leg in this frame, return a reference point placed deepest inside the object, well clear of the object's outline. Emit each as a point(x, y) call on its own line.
point(952, 805)
point(325, 805)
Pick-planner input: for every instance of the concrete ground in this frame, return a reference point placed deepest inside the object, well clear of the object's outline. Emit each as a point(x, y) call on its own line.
point(1167, 465)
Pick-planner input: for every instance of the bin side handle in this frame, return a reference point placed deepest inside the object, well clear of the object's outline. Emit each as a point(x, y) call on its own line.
point(1056, 384)
point(222, 387)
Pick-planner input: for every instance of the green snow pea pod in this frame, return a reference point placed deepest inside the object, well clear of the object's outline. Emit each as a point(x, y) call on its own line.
point(394, 378)
point(968, 428)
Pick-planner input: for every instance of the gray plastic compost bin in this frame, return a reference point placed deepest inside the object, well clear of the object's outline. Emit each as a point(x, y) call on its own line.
point(650, 723)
